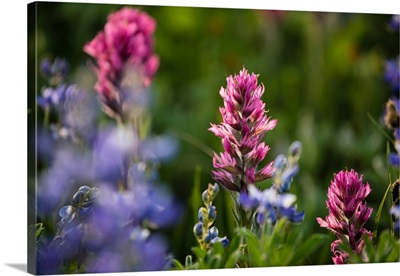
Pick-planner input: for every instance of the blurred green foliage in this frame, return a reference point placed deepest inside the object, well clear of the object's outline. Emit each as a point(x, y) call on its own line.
point(322, 73)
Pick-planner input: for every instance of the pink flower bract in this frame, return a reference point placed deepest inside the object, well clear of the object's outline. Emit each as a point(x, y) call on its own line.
point(243, 127)
point(124, 54)
point(348, 212)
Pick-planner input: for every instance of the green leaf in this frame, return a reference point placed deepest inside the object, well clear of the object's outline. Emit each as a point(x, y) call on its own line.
point(277, 235)
point(194, 141)
point(387, 249)
point(235, 216)
point(177, 264)
point(233, 259)
point(34, 233)
point(234, 244)
point(369, 250)
point(378, 212)
point(196, 193)
point(200, 253)
point(188, 261)
point(217, 248)
point(250, 238)
point(36, 230)
point(252, 246)
point(214, 261)
point(233, 252)
point(308, 247)
point(380, 128)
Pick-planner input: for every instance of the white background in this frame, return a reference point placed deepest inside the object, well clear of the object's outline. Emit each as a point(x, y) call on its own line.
point(13, 126)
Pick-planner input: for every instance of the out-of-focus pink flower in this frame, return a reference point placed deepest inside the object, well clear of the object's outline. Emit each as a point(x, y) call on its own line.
point(348, 212)
point(244, 125)
point(124, 57)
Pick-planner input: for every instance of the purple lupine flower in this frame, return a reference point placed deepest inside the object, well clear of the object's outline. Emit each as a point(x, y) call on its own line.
point(125, 60)
point(144, 206)
point(394, 22)
point(204, 231)
point(56, 97)
point(55, 71)
point(104, 161)
point(50, 97)
point(270, 204)
point(395, 211)
point(244, 125)
point(348, 212)
point(70, 169)
point(392, 74)
point(286, 167)
point(103, 221)
point(122, 222)
point(81, 204)
point(394, 159)
point(76, 111)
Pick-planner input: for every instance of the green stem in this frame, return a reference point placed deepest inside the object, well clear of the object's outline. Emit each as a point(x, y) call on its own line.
point(262, 233)
point(378, 213)
point(46, 117)
point(194, 141)
point(379, 127)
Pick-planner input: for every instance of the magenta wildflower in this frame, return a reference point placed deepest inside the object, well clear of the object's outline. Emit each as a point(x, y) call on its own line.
point(124, 56)
point(348, 212)
point(244, 125)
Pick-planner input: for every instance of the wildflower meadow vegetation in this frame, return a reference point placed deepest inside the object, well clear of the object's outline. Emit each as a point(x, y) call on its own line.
point(181, 138)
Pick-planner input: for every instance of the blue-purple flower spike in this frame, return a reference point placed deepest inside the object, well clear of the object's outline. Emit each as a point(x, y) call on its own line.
point(286, 168)
point(269, 205)
point(394, 22)
point(204, 231)
point(392, 74)
point(55, 71)
point(395, 211)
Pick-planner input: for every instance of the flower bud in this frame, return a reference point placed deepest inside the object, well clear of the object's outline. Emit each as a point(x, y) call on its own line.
point(206, 197)
point(84, 189)
point(212, 213)
point(295, 150)
point(213, 232)
point(83, 211)
point(260, 218)
point(224, 241)
point(188, 261)
point(215, 189)
point(58, 69)
point(207, 238)
point(139, 234)
point(202, 214)
point(65, 211)
point(287, 177)
point(198, 230)
point(280, 162)
point(77, 198)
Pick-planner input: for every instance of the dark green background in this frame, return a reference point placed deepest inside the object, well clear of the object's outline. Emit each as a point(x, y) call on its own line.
point(322, 73)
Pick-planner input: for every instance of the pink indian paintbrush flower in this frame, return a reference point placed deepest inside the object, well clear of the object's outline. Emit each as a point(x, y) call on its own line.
point(348, 212)
point(243, 127)
point(124, 57)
